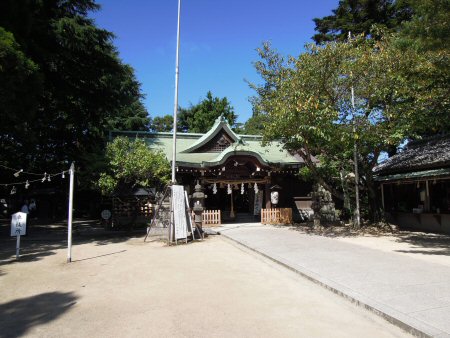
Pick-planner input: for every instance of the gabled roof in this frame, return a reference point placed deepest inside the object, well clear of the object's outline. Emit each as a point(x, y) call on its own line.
point(431, 153)
point(219, 125)
point(188, 145)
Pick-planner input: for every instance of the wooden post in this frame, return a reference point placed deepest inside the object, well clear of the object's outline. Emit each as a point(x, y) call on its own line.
point(267, 195)
point(232, 214)
point(427, 197)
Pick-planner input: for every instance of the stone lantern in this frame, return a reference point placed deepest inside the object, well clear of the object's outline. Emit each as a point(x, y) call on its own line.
point(198, 200)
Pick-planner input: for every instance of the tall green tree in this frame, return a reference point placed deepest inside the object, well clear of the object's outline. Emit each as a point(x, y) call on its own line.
point(307, 102)
point(429, 27)
point(77, 87)
point(428, 34)
point(131, 163)
point(200, 118)
point(358, 17)
point(255, 124)
point(162, 123)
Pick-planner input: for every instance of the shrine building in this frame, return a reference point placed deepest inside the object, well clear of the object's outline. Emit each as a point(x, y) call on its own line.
point(237, 172)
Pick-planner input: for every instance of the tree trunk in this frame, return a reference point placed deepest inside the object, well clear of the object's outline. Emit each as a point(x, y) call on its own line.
point(373, 199)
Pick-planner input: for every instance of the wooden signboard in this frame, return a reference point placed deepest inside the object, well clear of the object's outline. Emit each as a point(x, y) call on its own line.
point(179, 212)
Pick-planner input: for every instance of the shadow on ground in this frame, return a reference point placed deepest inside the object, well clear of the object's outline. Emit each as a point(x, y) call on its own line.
point(45, 239)
point(425, 243)
point(419, 242)
point(20, 315)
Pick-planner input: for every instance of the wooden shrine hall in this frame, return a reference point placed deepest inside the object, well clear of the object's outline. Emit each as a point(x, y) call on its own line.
point(238, 174)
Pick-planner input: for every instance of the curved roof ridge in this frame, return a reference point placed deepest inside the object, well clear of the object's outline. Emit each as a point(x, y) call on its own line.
point(219, 124)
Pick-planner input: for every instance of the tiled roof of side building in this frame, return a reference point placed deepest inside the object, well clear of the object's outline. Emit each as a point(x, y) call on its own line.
point(426, 154)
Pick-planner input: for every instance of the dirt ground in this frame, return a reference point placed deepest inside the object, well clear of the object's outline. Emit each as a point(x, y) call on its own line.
point(119, 287)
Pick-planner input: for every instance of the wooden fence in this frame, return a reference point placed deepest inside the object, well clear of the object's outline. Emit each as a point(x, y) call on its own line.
point(211, 218)
point(276, 216)
point(132, 206)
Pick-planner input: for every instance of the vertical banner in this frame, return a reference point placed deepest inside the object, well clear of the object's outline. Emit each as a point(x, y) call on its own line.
point(179, 212)
point(258, 203)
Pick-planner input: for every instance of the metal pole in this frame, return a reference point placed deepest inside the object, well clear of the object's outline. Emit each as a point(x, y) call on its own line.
point(175, 111)
point(175, 107)
point(18, 244)
point(355, 156)
point(357, 216)
point(69, 219)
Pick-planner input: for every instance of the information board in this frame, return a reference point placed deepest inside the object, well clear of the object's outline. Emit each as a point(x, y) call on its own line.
point(179, 212)
point(19, 224)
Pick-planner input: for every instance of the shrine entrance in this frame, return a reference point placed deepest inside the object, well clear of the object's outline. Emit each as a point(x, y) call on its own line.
point(236, 188)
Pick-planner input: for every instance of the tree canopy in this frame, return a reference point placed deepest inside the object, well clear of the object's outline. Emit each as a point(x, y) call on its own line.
point(358, 17)
point(63, 85)
point(162, 123)
point(307, 103)
point(132, 163)
point(198, 118)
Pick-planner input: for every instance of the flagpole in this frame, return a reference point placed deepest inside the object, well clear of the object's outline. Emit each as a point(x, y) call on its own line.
point(174, 139)
point(175, 107)
point(355, 155)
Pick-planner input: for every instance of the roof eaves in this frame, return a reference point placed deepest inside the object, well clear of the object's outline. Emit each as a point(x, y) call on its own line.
point(219, 124)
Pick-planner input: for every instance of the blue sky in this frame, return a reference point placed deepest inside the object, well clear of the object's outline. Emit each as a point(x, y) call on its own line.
point(218, 44)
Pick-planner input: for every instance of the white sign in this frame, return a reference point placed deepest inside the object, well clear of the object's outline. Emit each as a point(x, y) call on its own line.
point(106, 214)
point(179, 212)
point(19, 224)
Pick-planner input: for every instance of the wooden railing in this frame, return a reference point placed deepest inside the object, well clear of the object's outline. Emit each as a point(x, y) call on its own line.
point(276, 216)
point(211, 218)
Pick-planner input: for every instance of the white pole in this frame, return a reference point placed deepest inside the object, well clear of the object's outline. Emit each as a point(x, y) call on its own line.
point(175, 111)
point(18, 245)
point(355, 156)
point(175, 106)
point(69, 219)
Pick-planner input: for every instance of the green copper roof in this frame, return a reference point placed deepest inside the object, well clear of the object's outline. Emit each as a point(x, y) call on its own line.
point(219, 124)
point(189, 143)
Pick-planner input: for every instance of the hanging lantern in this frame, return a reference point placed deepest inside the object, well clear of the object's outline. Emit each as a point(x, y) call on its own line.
point(13, 190)
point(242, 189)
point(44, 178)
point(48, 178)
point(27, 184)
point(229, 189)
point(215, 188)
point(63, 176)
point(256, 188)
